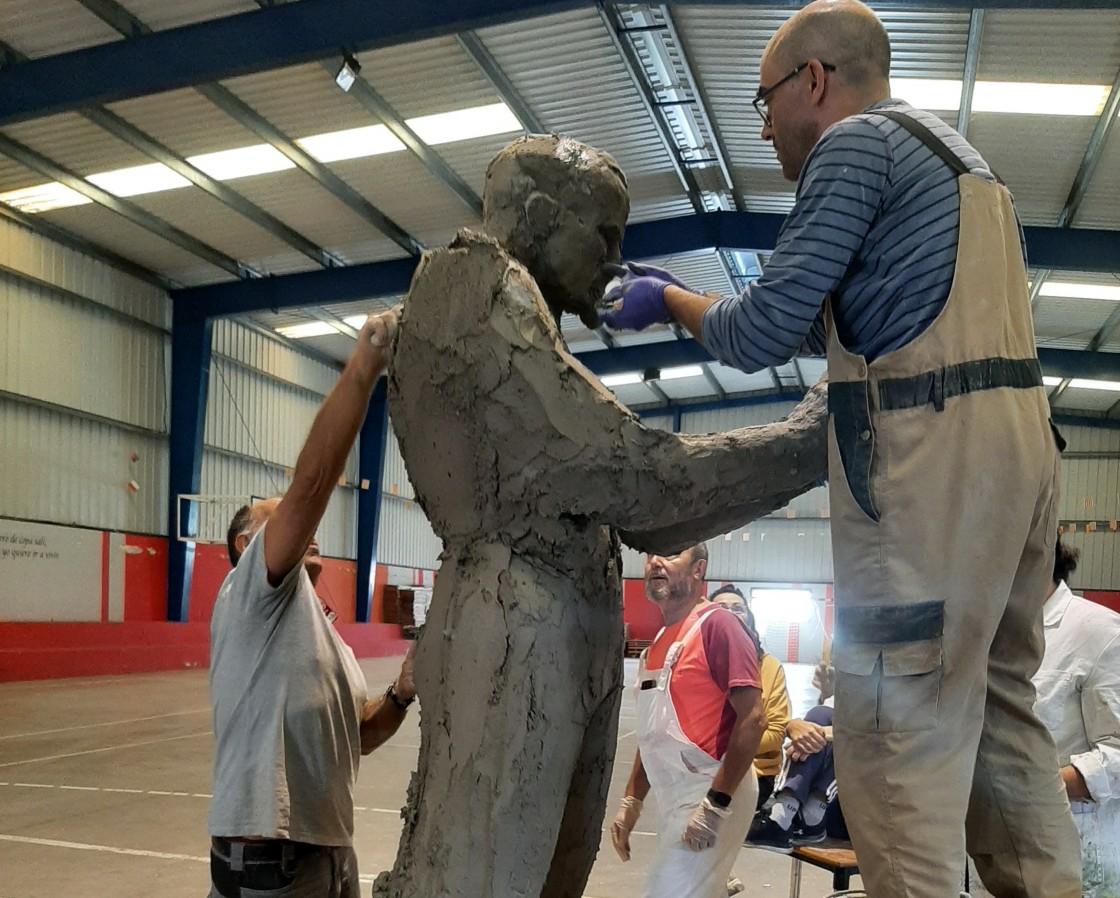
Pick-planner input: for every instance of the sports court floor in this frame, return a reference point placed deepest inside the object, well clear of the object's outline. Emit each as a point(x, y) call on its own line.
point(105, 784)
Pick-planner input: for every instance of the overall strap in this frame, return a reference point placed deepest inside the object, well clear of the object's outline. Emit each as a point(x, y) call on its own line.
point(926, 136)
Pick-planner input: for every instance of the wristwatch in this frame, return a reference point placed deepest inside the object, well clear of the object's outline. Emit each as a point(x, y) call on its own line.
point(401, 703)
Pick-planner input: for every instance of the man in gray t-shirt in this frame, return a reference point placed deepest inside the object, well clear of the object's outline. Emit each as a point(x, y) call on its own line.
point(291, 713)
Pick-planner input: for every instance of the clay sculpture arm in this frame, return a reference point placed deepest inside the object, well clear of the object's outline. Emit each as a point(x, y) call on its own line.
point(523, 425)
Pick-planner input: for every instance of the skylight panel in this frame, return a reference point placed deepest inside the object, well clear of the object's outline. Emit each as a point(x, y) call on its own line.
point(464, 124)
point(353, 143)
point(1018, 97)
point(243, 162)
point(43, 198)
point(139, 179)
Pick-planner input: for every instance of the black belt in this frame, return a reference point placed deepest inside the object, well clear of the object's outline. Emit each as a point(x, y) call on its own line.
point(263, 865)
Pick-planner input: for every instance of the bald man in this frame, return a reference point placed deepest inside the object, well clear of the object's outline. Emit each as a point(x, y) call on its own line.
point(291, 714)
point(902, 260)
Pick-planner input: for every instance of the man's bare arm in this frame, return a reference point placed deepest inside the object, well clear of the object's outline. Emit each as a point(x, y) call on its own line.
point(323, 456)
point(381, 716)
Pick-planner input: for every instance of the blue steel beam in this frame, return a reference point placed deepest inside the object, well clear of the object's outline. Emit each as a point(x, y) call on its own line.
point(190, 374)
point(254, 41)
point(371, 458)
point(1077, 249)
point(293, 33)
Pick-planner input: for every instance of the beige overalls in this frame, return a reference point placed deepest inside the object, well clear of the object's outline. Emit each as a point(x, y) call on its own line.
point(943, 477)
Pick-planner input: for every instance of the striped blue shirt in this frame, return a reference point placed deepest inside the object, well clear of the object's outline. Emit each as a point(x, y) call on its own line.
point(875, 223)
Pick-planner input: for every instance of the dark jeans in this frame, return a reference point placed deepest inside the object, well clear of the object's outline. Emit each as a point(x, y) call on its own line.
point(817, 773)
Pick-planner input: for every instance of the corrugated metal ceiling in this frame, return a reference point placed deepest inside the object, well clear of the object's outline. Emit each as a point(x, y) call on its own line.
point(568, 72)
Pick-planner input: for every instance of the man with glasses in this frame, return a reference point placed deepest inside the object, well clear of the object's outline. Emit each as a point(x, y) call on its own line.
point(902, 260)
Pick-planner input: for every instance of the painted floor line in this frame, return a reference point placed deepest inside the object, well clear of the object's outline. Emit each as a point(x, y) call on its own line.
point(206, 795)
point(107, 723)
point(94, 751)
point(109, 849)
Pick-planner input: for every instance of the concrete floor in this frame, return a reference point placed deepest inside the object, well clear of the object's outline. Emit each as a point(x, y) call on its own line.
point(104, 789)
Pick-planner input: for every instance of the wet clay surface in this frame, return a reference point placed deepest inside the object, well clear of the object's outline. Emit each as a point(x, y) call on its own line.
point(529, 470)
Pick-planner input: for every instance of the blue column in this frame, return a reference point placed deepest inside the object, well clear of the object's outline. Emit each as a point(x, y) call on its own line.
point(190, 375)
point(371, 463)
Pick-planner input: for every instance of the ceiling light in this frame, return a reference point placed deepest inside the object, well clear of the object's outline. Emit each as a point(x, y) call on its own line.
point(43, 198)
point(927, 93)
point(225, 165)
point(356, 321)
point(347, 72)
point(463, 124)
point(1080, 291)
point(308, 329)
point(1039, 99)
point(353, 143)
point(1080, 384)
point(139, 179)
point(1051, 381)
point(618, 380)
point(1022, 97)
point(683, 371)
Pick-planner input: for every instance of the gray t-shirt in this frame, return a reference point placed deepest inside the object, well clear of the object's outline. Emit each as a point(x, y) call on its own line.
point(287, 694)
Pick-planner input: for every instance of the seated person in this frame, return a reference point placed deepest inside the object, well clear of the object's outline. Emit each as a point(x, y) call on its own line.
point(806, 808)
point(775, 696)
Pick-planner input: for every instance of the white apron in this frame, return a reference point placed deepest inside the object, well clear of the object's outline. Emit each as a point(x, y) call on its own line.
point(680, 775)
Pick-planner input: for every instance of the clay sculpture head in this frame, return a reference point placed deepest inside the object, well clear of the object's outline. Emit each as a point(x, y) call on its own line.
point(559, 207)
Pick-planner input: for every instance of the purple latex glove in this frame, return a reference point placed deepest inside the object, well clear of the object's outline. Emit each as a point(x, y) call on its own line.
point(639, 298)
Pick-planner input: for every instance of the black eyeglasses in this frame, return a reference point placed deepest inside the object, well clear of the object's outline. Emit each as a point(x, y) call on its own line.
point(760, 100)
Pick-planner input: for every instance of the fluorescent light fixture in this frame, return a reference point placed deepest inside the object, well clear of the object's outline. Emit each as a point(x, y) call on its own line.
point(43, 198)
point(1032, 98)
point(927, 93)
point(463, 124)
point(226, 165)
point(1109, 385)
point(1051, 381)
point(1080, 291)
point(308, 329)
point(153, 178)
point(353, 143)
point(683, 371)
point(1022, 97)
point(618, 380)
point(347, 72)
point(788, 606)
point(356, 321)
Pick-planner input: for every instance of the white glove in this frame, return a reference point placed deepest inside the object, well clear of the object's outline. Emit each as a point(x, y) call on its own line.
point(623, 823)
point(703, 829)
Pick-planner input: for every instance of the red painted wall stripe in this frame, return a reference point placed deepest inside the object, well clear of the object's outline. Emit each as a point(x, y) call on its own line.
point(104, 577)
point(793, 640)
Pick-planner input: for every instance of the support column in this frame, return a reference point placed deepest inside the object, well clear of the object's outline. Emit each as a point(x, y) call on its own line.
point(190, 376)
point(371, 464)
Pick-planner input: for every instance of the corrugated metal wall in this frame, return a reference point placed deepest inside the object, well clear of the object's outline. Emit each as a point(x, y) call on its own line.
point(405, 538)
point(83, 387)
point(1091, 492)
point(263, 396)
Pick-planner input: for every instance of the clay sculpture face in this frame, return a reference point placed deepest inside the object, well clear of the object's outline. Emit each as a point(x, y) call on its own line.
point(559, 207)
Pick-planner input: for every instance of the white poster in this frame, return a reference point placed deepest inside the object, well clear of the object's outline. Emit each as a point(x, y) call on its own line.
point(49, 573)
